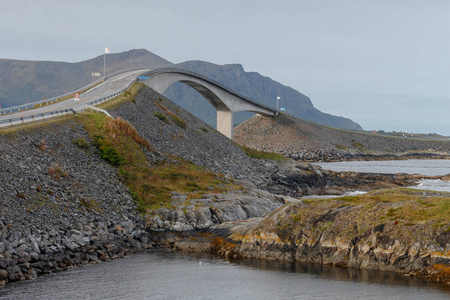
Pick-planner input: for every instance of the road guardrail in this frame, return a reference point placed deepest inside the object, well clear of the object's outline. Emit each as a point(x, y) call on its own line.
point(60, 112)
point(32, 105)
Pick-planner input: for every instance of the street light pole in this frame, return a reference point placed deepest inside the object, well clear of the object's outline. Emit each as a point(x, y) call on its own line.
point(104, 62)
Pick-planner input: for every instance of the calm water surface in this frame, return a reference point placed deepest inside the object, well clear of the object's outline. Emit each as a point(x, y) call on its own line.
point(429, 167)
point(168, 275)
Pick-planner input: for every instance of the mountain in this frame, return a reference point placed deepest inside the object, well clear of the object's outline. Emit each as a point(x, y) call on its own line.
point(254, 86)
point(34, 80)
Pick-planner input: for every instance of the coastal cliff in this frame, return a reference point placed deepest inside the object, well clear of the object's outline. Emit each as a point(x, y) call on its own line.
point(397, 230)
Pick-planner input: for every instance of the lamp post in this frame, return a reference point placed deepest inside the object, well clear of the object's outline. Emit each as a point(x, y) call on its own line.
point(104, 62)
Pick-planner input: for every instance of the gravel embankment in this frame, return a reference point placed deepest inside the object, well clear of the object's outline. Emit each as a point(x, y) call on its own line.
point(61, 205)
point(306, 141)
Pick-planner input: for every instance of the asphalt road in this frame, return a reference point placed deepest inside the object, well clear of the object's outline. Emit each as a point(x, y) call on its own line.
point(105, 89)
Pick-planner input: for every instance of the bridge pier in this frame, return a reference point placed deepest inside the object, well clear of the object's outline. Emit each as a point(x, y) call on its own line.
point(225, 123)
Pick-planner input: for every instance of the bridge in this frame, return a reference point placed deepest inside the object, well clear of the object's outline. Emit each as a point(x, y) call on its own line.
point(224, 100)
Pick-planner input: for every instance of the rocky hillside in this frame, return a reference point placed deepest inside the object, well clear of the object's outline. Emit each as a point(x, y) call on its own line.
point(306, 141)
point(34, 80)
point(254, 86)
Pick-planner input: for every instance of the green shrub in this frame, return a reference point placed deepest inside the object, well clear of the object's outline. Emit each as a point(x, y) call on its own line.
point(107, 152)
point(81, 143)
point(204, 129)
point(262, 155)
point(162, 117)
point(128, 175)
point(179, 122)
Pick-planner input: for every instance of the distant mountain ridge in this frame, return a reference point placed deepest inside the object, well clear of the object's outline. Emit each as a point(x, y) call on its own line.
point(254, 86)
point(35, 80)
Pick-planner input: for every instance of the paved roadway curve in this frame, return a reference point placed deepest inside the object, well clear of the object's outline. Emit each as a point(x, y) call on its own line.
point(105, 89)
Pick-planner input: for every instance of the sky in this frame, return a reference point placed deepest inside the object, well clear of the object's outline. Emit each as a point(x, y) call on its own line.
point(384, 64)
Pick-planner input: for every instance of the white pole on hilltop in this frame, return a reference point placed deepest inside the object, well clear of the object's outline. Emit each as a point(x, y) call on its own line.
point(104, 62)
point(278, 98)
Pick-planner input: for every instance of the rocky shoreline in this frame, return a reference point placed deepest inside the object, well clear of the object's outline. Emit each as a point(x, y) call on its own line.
point(28, 254)
point(335, 155)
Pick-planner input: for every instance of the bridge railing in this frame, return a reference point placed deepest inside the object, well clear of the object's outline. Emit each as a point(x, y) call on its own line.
point(32, 105)
point(36, 117)
point(61, 112)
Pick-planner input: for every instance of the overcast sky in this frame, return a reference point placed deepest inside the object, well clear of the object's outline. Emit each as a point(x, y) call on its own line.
point(383, 63)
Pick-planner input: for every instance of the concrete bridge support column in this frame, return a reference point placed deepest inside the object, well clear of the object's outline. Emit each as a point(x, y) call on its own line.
point(225, 123)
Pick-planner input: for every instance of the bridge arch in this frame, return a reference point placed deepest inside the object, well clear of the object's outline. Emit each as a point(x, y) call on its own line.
point(224, 100)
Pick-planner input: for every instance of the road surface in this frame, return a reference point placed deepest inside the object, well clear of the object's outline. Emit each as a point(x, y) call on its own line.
point(103, 90)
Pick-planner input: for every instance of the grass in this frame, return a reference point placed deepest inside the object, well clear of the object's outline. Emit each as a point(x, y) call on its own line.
point(399, 209)
point(175, 119)
point(81, 143)
point(179, 122)
point(151, 185)
point(162, 117)
point(262, 155)
point(129, 95)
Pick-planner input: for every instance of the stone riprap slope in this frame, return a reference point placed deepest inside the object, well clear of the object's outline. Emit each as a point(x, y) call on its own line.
point(306, 141)
point(195, 141)
point(61, 204)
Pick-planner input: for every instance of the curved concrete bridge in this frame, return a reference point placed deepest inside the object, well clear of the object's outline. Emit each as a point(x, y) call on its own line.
point(222, 98)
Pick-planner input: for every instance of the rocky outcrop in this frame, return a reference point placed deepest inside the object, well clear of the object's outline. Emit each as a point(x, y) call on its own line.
point(214, 209)
point(352, 234)
point(297, 179)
